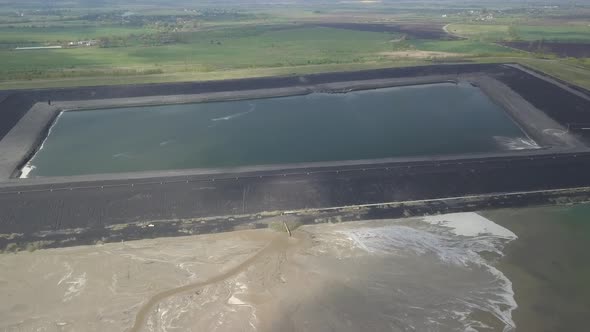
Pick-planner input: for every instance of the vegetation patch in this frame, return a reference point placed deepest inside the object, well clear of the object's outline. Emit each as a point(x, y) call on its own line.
point(519, 32)
point(132, 43)
point(15, 247)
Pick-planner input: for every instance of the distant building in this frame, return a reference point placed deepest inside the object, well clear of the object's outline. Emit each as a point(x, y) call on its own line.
point(91, 42)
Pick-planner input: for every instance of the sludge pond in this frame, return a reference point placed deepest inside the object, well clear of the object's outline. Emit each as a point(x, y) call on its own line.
point(431, 119)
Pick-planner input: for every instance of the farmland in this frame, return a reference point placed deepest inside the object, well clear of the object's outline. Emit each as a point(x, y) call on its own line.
point(183, 42)
point(496, 32)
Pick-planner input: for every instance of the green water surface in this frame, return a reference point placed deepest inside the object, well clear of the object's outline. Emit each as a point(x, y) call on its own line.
point(405, 121)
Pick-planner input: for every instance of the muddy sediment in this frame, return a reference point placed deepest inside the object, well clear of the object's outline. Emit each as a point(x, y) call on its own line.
point(250, 280)
point(447, 272)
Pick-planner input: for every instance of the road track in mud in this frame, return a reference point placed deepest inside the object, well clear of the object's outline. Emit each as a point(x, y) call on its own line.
point(279, 243)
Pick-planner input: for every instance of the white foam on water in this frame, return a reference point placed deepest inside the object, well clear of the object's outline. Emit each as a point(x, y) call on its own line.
point(29, 165)
point(469, 224)
point(164, 143)
point(516, 143)
point(457, 241)
point(236, 115)
point(24, 172)
point(121, 155)
point(554, 132)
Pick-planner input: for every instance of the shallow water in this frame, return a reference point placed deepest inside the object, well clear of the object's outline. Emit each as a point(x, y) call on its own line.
point(549, 266)
point(403, 121)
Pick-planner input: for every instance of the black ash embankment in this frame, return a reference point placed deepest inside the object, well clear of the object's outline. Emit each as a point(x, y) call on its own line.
point(51, 210)
point(561, 105)
point(12, 108)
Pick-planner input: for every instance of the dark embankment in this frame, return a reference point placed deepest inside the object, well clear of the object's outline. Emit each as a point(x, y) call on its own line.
point(83, 211)
point(75, 213)
point(568, 109)
point(12, 108)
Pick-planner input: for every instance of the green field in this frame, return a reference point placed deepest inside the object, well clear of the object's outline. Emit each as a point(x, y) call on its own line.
point(227, 49)
point(496, 32)
point(173, 43)
point(205, 51)
point(56, 34)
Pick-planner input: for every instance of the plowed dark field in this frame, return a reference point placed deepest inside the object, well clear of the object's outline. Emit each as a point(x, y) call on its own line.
point(575, 50)
point(412, 30)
